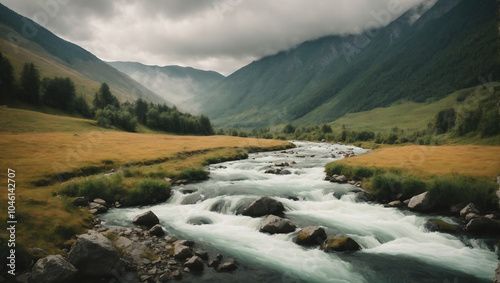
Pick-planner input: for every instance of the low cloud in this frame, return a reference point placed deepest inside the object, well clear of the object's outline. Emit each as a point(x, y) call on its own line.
point(220, 35)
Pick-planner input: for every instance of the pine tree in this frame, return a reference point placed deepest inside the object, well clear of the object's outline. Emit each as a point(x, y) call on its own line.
point(30, 84)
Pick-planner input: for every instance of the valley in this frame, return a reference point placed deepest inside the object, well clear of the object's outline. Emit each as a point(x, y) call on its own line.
point(385, 142)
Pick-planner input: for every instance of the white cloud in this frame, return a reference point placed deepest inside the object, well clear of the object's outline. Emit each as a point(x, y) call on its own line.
point(220, 35)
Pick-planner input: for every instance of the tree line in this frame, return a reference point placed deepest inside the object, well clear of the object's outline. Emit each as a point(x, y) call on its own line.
point(60, 93)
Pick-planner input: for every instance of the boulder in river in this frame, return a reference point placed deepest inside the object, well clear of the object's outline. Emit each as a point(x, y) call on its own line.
point(148, 219)
point(195, 263)
point(182, 252)
point(277, 225)
point(436, 225)
point(94, 255)
point(156, 231)
point(227, 266)
point(483, 225)
point(264, 206)
point(52, 269)
point(334, 244)
point(421, 202)
point(310, 236)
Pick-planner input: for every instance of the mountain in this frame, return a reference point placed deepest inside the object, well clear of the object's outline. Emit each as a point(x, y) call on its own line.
point(179, 85)
point(423, 55)
point(22, 40)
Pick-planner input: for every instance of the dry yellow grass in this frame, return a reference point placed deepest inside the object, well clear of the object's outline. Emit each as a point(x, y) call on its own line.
point(481, 161)
point(38, 145)
point(35, 155)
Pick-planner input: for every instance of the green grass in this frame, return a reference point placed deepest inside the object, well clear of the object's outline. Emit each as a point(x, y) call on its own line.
point(390, 184)
point(409, 116)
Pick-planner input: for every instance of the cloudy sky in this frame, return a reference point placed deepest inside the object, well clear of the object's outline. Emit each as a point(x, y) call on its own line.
point(220, 35)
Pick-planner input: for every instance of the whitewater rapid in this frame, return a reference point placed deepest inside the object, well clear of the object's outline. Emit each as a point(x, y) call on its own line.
point(396, 247)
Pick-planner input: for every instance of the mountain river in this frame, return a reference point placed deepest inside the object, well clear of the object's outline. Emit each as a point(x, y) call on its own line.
point(396, 246)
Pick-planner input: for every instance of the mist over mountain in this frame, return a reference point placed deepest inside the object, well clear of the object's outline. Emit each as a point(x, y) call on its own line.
point(22, 40)
point(427, 53)
point(179, 85)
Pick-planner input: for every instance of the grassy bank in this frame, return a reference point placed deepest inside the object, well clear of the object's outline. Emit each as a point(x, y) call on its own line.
point(45, 150)
point(451, 174)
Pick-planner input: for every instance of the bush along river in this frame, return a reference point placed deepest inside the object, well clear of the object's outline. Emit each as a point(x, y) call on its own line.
point(365, 242)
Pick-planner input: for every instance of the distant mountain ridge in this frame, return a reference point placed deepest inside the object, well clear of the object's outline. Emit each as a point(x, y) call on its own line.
point(180, 85)
point(22, 40)
point(412, 59)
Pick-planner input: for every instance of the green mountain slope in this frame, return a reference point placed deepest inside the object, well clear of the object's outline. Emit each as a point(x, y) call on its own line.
point(22, 40)
point(445, 50)
point(179, 85)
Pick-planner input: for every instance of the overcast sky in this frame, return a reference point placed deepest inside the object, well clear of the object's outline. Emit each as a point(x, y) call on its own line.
point(219, 35)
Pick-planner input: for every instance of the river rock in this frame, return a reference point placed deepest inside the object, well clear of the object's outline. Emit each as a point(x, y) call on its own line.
point(200, 220)
point(421, 202)
point(133, 250)
point(52, 269)
point(470, 216)
point(202, 254)
point(80, 201)
point(396, 203)
point(187, 243)
point(100, 201)
point(148, 219)
point(274, 225)
point(285, 172)
point(94, 255)
point(97, 208)
point(470, 208)
point(310, 236)
point(483, 225)
point(334, 244)
point(182, 252)
point(227, 266)
point(436, 225)
point(195, 263)
point(339, 179)
point(264, 206)
point(496, 279)
point(271, 171)
point(156, 231)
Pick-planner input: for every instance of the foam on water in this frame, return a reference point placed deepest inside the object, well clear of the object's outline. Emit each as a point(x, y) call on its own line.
point(387, 236)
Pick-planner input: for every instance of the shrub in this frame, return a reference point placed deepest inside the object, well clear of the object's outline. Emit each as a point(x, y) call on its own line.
point(361, 172)
point(412, 186)
point(385, 186)
point(193, 174)
point(335, 168)
point(450, 191)
point(148, 191)
point(69, 189)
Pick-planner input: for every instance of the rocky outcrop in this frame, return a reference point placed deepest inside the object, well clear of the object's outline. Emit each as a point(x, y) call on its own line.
point(94, 255)
point(264, 206)
point(334, 244)
point(52, 269)
point(277, 225)
point(311, 236)
point(148, 219)
point(421, 202)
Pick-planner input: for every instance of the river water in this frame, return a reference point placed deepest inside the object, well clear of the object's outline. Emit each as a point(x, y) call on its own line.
point(396, 247)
